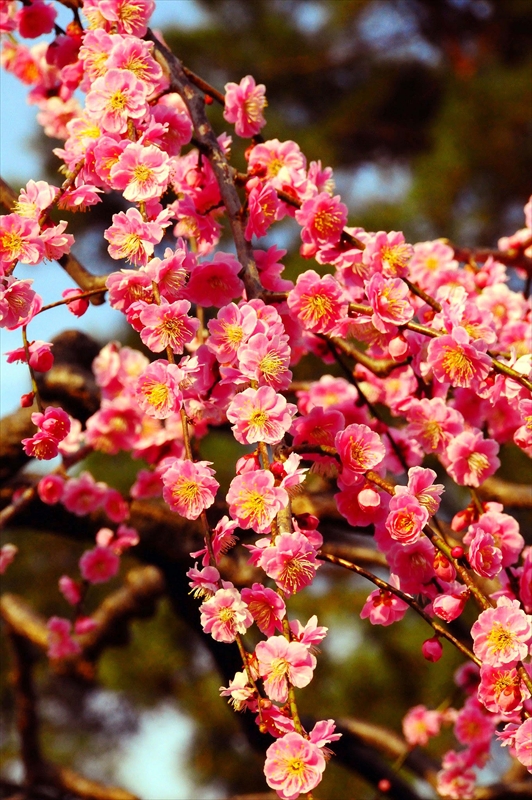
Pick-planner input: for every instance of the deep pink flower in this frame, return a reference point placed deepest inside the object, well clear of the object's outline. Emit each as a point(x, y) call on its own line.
point(82, 495)
point(54, 422)
point(419, 724)
point(260, 415)
point(322, 219)
point(35, 19)
point(406, 519)
point(523, 744)
point(360, 449)
point(41, 445)
point(254, 500)
point(189, 487)
point(421, 485)
point(280, 163)
point(225, 615)
point(413, 564)
point(484, 557)
point(456, 780)
point(504, 530)
point(501, 690)
point(473, 726)
point(281, 662)
point(141, 172)
point(383, 607)
point(244, 104)
point(432, 649)
point(501, 635)
point(18, 303)
point(267, 608)
point(263, 209)
point(290, 561)
point(116, 97)
point(458, 360)
point(50, 489)
point(99, 565)
point(216, 282)
point(387, 253)
point(318, 303)
point(472, 458)
point(76, 305)
point(157, 389)
point(293, 766)
point(70, 589)
point(167, 325)
point(60, 642)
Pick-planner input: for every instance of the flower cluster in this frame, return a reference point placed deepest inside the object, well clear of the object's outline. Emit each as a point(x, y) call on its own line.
point(444, 347)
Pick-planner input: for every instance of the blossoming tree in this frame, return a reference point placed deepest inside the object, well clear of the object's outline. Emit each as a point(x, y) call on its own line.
point(432, 343)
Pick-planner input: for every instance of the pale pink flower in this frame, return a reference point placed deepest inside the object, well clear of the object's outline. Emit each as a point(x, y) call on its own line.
point(503, 528)
point(18, 303)
point(119, 541)
point(501, 690)
point(456, 780)
point(318, 303)
point(279, 162)
point(433, 423)
point(216, 282)
point(472, 458)
point(254, 500)
point(449, 605)
point(60, 642)
point(310, 634)
point(239, 692)
point(244, 104)
point(260, 415)
point(389, 298)
point(523, 744)
point(35, 198)
point(231, 328)
point(293, 766)
point(157, 389)
point(189, 487)
point(116, 97)
point(116, 426)
point(99, 565)
point(7, 556)
point(387, 253)
point(419, 724)
point(458, 360)
point(421, 485)
point(265, 359)
point(167, 325)
point(79, 198)
point(204, 582)
point(360, 449)
point(281, 662)
point(129, 16)
point(136, 55)
point(223, 539)
point(267, 608)
point(131, 238)
point(290, 561)
point(501, 635)
point(406, 519)
point(225, 615)
point(141, 172)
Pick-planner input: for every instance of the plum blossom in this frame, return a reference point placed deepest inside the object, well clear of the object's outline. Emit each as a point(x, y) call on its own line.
point(225, 615)
point(189, 487)
point(99, 565)
point(281, 662)
point(501, 635)
point(290, 561)
point(267, 608)
point(472, 459)
point(360, 449)
point(260, 415)
point(293, 766)
point(244, 104)
point(116, 97)
point(457, 360)
point(254, 500)
point(318, 303)
point(419, 724)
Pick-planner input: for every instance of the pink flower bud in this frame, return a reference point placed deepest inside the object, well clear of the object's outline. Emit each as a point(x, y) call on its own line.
point(70, 590)
point(78, 305)
point(84, 625)
point(26, 401)
point(457, 552)
point(41, 357)
point(432, 649)
point(50, 489)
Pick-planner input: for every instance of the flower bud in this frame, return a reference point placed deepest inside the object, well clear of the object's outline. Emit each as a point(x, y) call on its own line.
point(432, 649)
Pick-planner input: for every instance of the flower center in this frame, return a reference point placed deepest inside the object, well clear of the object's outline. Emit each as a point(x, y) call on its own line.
point(271, 365)
point(157, 394)
point(456, 364)
point(186, 491)
point(500, 638)
point(118, 101)
point(316, 306)
point(142, 173)
point(279, 667)
point(396, 257)
point(478, 462)
point(326, 222)
point(12, 242)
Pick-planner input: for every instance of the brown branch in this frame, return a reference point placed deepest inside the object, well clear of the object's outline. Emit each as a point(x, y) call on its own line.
point(511, 258)
point(79, 274)
point(513, 495)
point(195, 102)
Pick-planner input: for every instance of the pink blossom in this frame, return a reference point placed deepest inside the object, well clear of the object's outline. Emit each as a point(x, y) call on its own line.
point(263, 209)
point(406, 519)
point(204, 582)
point(7, 555)
point(433, 423)
point(457, 360)
point(384, 607)
point(54, 421)
point(141, 172)
point(484, 557)
point(82, 495)
point(419, 724)
point(239, 692)
point(254, 500)
point(18, 303)
point(290, 561)
point(260, 415)
point(189, 487)
point(167, 325)
point(360, 449)
point(244, 104)
point(136, 55)
point(171, 273)
point(473, 726)
point(278, 162)
point(119, 541)
point(267, 608)
point(76, 305)
point(225, 615)
point(35, 198)
point(35, 19)
point(216, 282)
point(323, 733)
point(60, 642)
point(389, 299)
point(99, 565)
point(41, 357)
point(293, 766)
point(387, 253)
point(523, 744)
point(413, 564)
point(472, 458)
point(281, 662)
point(41, 445)
point(116, 97)
point(504, 530)
point(131, 238)
point(157, 389)
point(432, 649)
point(456, 780)
point(449, 604)
point(264, 359)
point(318, 303)
point(501, 690)
point(322, 219)
point(231, 328)
point(310, 634)
point(50, 489)
point(421, 485)
point(223, 539)
point(70, 589)
point(501, 635)
point(129, 16)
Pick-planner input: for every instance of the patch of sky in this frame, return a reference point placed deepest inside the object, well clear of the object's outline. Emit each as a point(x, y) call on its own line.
point(391, 31)
point(342, 641)
point(372, 182)
point(310, 17)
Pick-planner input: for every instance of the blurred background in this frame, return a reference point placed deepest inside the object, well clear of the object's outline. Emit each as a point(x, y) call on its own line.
point(424, 111)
